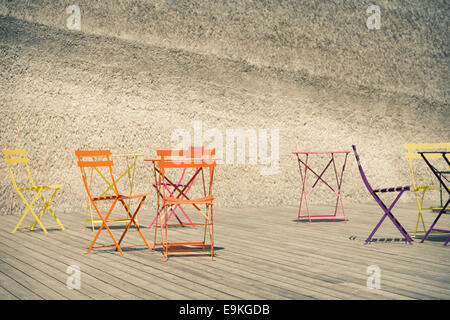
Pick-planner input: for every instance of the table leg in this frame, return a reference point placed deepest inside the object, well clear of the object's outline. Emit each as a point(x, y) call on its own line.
point(435, 221)
point(303, 178)
point(319, 178)
point(339, 185)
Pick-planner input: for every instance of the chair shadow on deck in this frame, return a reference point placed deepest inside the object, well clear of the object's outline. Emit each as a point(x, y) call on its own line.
point(39, 230)
point(161, 250)
point(115, 227)
point(113, 251)
point(320, 220)
point(433, 236)
point(388, 240)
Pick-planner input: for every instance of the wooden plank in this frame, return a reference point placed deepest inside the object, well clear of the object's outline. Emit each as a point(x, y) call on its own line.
point(351, 259)
point(222, 289)
point(29, 282)
point(265, 255)
point(93, 275)
point(6, 295)
point(15, 288)
point(55, 271)
point(104, 262)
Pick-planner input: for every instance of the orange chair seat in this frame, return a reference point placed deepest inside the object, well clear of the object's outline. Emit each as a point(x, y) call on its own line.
point(170, 200)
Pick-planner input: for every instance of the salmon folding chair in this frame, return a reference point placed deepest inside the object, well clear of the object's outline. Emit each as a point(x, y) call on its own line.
point(15, 158)
point(86, 160)
point(200, 160)
point(420, 189)
point(387, 210)
point(171, 188)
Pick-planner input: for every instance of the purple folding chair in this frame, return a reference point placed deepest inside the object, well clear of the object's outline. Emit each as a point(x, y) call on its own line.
point(387, 211)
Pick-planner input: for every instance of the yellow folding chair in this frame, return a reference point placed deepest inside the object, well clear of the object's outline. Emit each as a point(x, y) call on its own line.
point(15, 158)
point(420, 189)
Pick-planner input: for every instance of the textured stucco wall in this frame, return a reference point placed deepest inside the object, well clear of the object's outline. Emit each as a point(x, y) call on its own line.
point(135, 73)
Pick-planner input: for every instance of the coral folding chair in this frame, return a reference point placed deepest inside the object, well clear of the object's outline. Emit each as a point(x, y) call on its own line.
point(15, 158)
point(387, 210)
point(88, 159)
point(171, 189)
point(421, 189)
point(200, 160)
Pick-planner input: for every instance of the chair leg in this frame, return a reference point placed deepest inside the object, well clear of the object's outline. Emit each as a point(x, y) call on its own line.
point(400, 228)
point(211, 232)
point(133, 220)
point(375, 229)
point(420, 215)
point(435, 221)
point(395, 221)
point(47, 206)
point(387, 212)
point(30, 209)
point(104, 224)
point(446, 241)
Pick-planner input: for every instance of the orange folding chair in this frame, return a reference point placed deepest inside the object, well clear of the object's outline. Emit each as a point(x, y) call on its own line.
point(86, 160)
point(200, 160)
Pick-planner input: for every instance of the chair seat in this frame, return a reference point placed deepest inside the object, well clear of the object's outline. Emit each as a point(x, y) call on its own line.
point(170, 200)
point(135, 196)
point(120, 197)
point(167, 184)
point(393, 189)
point(56, 186)
point(424, 187)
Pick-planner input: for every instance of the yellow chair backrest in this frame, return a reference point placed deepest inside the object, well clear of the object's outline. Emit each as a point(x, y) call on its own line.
point(413, 148)
point(17, 157)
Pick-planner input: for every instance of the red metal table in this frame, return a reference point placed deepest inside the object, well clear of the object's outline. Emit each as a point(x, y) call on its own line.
point(320, 177)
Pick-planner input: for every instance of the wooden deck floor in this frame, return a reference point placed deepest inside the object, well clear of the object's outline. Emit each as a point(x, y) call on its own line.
point(261, 254)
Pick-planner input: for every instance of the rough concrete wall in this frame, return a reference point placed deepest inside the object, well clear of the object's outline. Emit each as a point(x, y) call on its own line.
point(136, 74)
point(409, 54)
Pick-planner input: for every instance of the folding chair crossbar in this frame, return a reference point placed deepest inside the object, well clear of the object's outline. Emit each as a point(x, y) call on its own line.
point(387, 210)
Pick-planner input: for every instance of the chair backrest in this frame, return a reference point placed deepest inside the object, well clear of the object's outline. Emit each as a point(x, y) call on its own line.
point(413, 148)
point(89, 159)
point(199, 153)
point(13, 157)
point(194, 157)
point(361, 171)
point(366, 182)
